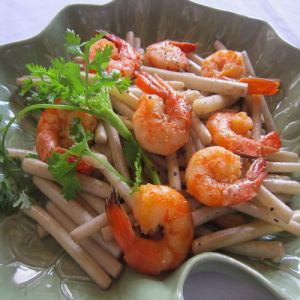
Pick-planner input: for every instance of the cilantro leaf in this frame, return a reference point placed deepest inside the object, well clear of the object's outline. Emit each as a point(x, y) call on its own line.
point(23, 201)
point(16, 188)
point(101, 60)
point(63, 169)
point(73, 43)
point(77, 132)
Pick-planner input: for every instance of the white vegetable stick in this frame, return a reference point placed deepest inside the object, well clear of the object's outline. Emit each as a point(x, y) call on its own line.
point(175, 84)
point(103, 258)
point(266, 215)
point(259, 249)
point(88, 184)
point(19, 153)
point(282, 156)
point(191, 95)
point(201, 130)
point(122, 109)
point(96, 203)
point(100, 134)
point(212, 85)
point(194, 67)
point(130, 38)
point(86, 206)
point(196, 141)
point(86, 262)
point(122, 188)
point(189, 149)
point(94, 186)
point(219, 45)
point(256, 116)
point(173, 172)
point(116, 150)
point(283, 167)
point(231, 236)
point(87, 229)
point(73, 210)
point(284, 186)
point(102, 149)
point(127, 97)
point(274, 204)
point(137, 43)
point(269, 123)
point(206, 214)
point(195, 57)
point(212, 103)
point(36, 167)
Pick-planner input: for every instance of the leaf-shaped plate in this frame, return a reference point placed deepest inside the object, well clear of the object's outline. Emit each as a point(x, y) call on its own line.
point(31, 269)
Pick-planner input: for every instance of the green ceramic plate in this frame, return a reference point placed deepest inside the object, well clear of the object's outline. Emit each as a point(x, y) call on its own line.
point(30, 268)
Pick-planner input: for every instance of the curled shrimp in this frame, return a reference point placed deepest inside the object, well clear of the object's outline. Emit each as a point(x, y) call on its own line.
point(154, 206)
point(229, 65)
point(213, 177)
point(169, 55)
point(161, 125)
point(123, 58)
point(53, 132)
point(232, 131)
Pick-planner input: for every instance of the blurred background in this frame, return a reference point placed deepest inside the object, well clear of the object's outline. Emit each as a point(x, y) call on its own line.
point(22, 19)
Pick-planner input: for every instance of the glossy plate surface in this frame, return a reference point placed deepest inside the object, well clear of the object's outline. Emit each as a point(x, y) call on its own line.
point(30, 268)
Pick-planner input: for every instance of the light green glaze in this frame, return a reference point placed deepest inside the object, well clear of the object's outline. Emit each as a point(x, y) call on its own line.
point(34, 269)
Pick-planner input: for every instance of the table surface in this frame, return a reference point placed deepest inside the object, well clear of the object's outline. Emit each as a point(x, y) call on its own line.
point(283, 15)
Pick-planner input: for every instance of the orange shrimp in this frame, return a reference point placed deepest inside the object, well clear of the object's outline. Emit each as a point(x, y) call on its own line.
point(229, 65)
point(161, 125)
point(53, 133)
point(213, 177)
point(124, 57)
point(154, 207)
point(232, 131)
point(169, 55)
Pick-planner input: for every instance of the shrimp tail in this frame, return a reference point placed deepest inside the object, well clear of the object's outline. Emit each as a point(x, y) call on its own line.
point(270, 143)
point(258, 171)
point(235, 194)
point(261, 86)
point(124, 48)
point(119, 222)
point(46, 141)
point(185, 47)
point(152, 84)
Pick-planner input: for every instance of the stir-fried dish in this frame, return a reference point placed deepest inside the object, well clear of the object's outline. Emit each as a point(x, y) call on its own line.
point(149, 156)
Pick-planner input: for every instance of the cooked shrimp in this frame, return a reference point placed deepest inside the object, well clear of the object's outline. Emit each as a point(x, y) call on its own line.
point(169, 55)
point(53, 132)
point(232, 131)
point(229, 65)
point(161, 125)
point(123, 58)
point(212, 177)
point(154, 207)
